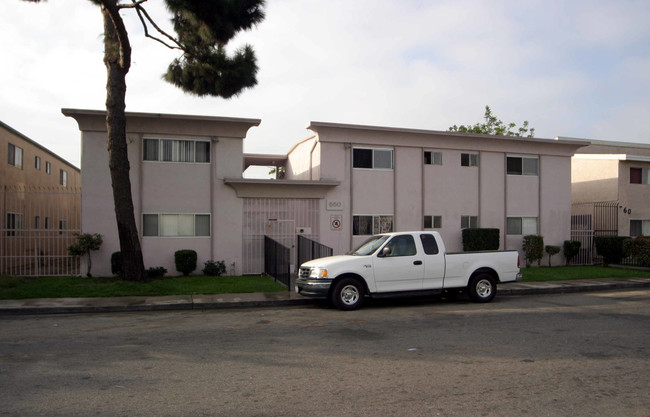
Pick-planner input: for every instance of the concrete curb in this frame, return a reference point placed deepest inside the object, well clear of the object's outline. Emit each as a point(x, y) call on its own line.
point(261, 300)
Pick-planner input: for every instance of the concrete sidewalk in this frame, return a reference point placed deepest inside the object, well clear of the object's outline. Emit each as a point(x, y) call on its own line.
point(276, 299)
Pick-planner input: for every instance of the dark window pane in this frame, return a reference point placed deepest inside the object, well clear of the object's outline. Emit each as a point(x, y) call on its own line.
point(464, 159)
point(150, 150)
point(429, 244)
point(636, 175)
point(202, 151)
point(427, 158)
point(514, 166)
point(428, 222)
point(362, 158)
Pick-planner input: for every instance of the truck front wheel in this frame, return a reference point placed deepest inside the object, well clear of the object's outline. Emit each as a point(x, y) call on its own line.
point(347, 294)
point(482, 288)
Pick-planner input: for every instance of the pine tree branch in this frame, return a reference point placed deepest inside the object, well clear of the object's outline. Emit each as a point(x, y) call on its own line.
point(141, 11)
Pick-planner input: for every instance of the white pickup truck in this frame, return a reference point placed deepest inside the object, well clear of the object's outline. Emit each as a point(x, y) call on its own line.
point(405, 263)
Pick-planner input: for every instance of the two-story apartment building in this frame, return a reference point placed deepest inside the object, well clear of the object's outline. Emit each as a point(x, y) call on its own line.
point(40, 205)
point(611, 188)
point(340, 185)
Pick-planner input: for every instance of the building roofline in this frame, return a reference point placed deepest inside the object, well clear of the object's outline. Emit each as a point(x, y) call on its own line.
point(612, 157)
point(83, 112)
point(38, 145)
point(610, 143)
point(315, 125)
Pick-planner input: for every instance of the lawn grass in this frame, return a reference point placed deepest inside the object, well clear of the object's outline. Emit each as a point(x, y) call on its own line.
point(561, 273)
point(63, 287)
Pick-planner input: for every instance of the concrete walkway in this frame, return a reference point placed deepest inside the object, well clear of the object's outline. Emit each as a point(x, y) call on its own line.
point(276, 299)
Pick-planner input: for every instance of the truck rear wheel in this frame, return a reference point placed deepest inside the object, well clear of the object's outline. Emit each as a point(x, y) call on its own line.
point(347, 294)
point(482, 288)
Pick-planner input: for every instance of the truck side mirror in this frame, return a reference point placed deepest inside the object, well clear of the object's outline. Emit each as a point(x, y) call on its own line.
point(386, 251)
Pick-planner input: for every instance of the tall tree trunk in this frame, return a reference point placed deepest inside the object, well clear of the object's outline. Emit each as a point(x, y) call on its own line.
point(117, 58)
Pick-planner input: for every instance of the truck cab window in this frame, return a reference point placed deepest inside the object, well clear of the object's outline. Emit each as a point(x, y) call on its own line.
point(402, 245)
point(429, 244)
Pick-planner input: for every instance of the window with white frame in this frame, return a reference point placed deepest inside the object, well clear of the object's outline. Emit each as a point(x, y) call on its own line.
point(14, 224)
point(639, 228)
point(639, 175)
point(432, 158)
point(176, 150)
point(469, 159)
point(47, 223)
point(176, 225)
point(371, 224)
point(468, 222)
point(521, 226)
point(371, 158)
point(37, 162)
point(432, 222)
point(37, 222)
point(63, 225)
point(522, 165)
point(48, 167)
point(15, 156)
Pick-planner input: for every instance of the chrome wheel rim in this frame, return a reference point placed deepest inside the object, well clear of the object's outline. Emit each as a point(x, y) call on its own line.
point(484, 288)
point(350, 295)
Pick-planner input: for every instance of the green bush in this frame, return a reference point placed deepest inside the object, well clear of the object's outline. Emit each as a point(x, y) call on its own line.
point(533, 249)
point(85, 243)
point(639, 248)
point(571, 249)
point(550, 251)
point(480, 239)
point(185, 261)
point(214, 268)
point(116, 263)
point(610, 248)
point(156, 272)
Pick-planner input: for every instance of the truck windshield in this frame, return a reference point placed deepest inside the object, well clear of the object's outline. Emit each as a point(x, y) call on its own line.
point(370, 246)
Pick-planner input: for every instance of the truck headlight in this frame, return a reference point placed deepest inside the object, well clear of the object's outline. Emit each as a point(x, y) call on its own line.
point(318, 273)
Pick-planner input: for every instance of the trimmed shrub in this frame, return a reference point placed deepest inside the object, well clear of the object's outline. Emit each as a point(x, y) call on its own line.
point(480, 239)
point(550, 251)
point(185, 261)
point(639, 248)
point(214, 268)
point(610, 248)
point(116, 263)
point(571, 249)
point(156, 272)
point(533, 249)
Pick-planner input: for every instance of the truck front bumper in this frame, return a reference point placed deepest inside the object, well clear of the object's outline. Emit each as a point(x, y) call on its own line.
point(316, 288)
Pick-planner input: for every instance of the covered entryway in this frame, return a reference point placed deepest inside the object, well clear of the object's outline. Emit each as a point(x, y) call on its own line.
point(282, 219)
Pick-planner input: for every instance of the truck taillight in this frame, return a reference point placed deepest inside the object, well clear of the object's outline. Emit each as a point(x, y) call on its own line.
point(518, 261)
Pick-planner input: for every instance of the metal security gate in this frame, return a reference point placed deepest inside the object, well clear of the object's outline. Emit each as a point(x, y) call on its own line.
point(37, 226)
point(589, 220)
point(278, 218)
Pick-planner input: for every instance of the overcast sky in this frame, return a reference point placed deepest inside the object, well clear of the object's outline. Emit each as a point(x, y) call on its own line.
point(576, 68)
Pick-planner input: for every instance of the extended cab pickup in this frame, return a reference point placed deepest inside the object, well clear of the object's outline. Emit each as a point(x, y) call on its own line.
point(405, 263)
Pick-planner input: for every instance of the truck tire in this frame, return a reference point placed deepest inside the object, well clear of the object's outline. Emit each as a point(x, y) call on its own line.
point(347, 294)
point(482, 288)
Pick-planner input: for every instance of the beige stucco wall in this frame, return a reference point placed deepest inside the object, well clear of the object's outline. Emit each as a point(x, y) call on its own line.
point(299, 160)
point(594, 180)
point(634, 199)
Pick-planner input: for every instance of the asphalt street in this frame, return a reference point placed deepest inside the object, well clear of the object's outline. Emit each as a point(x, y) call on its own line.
point(583, 354)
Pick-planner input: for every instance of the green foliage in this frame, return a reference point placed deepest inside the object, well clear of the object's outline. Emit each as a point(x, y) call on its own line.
point(204, 28)
point(480, 239)
point(533, 249)
point(214, 268)
point(494, 126)
point(86, 243)
point(156, 272)
point(185, 261)
point(550, 251)
point(610, 248)
point(639, 248)
point(116, 263)
point(571, 250)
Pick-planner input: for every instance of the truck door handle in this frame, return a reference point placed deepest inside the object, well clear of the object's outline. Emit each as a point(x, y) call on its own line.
point(417, 262)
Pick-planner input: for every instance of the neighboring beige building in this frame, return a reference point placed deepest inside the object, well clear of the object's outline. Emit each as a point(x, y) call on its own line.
point(40, 206)
point(611, 187)
point(340, 185)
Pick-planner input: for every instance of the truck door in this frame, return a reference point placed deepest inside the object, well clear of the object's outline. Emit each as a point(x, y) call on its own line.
point(398, 266)
point(434, 263)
